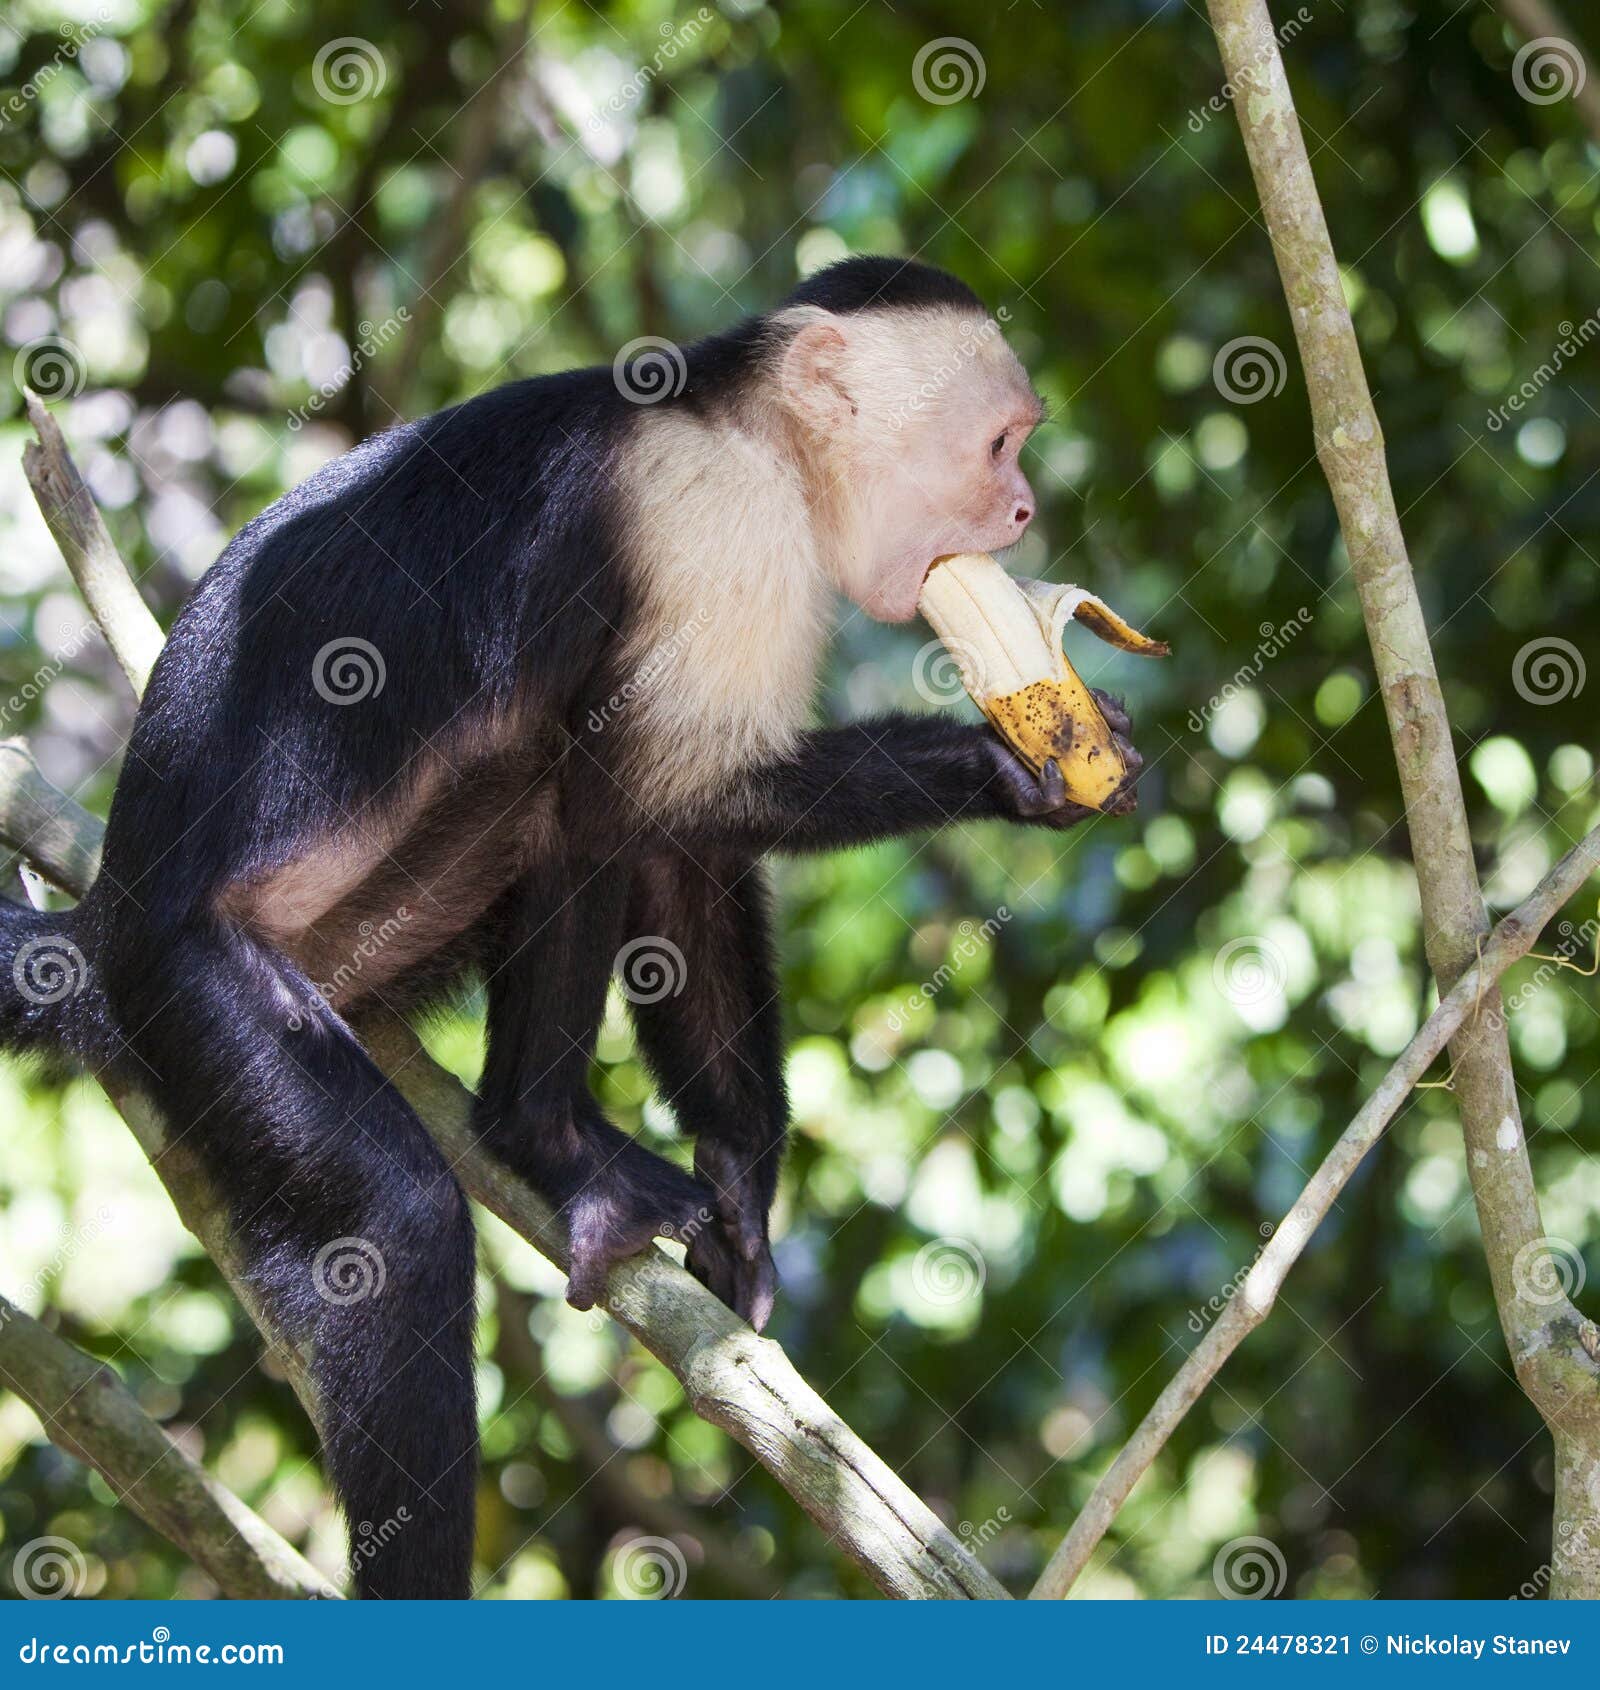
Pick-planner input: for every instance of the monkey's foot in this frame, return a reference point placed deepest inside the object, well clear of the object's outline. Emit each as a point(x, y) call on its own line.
point(734, 1260)
point(620, 1208)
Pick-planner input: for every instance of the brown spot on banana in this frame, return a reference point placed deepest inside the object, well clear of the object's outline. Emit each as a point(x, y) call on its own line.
point(1006, 638)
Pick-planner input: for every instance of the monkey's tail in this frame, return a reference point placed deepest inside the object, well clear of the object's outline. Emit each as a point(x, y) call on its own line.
point(51, 1005)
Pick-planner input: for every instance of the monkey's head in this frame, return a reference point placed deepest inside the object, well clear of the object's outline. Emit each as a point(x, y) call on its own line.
point(913, 409)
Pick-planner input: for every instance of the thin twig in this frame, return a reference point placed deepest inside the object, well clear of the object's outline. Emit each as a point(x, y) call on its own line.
point(1538, 22)
point(1259, 1287)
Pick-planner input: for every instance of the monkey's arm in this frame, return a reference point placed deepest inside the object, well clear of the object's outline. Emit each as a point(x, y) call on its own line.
point(886, 776)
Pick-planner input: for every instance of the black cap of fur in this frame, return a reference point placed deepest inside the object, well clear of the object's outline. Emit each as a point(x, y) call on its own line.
point(886, 284)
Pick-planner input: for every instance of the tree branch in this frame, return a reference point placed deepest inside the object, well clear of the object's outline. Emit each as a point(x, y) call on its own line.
point(1543, 1332)
point(480, 124)
point(87, 1411)
point(1538, 20)
point(1258, 1286)
point(73, 517)
point(733, 1378)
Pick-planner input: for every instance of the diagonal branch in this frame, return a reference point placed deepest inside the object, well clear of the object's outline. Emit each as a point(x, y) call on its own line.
point(1260, 1283)
point(73, 517)
point(87, 1411)
point(480, 125)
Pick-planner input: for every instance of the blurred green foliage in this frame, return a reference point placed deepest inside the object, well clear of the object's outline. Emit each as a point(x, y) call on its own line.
point(1049, 1095)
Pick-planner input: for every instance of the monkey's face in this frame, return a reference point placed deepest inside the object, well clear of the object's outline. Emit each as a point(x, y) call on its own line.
point(920, 417)
point(948, 480)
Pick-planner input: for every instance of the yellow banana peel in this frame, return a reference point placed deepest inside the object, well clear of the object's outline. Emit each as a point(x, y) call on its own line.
point(1005, 635)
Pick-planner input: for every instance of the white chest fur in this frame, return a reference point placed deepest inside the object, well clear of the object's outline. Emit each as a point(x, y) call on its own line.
point(736, 605)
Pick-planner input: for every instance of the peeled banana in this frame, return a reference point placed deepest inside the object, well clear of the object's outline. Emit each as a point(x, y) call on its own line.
point(1005, 636)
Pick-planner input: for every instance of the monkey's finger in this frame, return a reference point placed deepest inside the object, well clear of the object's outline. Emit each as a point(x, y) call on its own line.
point(1114, 710)
point(1052, 787)
point(742, 1221)
point(1130, 756)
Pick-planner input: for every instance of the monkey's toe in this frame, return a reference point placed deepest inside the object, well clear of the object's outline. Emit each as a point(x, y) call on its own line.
point(748, 1285)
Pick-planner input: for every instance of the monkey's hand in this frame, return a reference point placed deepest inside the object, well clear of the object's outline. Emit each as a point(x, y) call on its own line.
point(734, 1259)
point(1042, 799)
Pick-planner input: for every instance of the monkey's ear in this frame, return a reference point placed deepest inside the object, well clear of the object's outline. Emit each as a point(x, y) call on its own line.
point(812, 378)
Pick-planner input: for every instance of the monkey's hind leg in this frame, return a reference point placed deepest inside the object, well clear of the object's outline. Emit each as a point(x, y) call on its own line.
point(714, 1043)
point(551, 943)
point(352, 1228)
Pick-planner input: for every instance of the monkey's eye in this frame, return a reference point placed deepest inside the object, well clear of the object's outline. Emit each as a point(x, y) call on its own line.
point(998, 444)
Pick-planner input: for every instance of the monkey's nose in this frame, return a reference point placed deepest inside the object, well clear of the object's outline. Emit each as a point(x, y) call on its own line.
point(1021, 515)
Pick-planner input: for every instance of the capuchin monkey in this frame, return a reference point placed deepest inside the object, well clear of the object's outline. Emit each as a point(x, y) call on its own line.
point(520, 692)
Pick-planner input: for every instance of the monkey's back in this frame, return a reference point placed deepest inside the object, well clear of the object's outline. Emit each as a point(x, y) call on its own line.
point(437, 577)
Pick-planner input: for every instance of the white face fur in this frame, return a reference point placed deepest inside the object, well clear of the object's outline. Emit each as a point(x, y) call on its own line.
point(914, 420)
